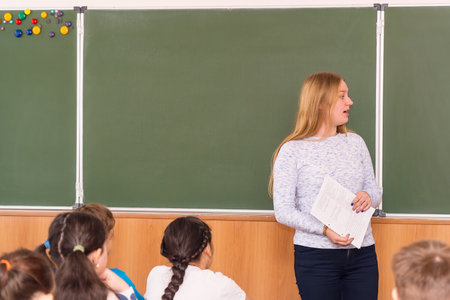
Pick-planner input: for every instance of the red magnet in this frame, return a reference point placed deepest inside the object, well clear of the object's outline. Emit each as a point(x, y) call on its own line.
point(18, 21)
point(33, 21)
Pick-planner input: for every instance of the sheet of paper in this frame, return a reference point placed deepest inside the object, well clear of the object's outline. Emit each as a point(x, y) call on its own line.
point(332, 207)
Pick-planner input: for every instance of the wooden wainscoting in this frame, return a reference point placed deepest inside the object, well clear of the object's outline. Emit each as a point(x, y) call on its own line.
point(256, 252)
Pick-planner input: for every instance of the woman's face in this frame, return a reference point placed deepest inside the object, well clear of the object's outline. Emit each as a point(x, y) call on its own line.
point(340, 111)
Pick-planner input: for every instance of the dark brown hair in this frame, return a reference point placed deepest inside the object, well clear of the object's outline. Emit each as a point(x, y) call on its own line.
point(101, 212)
point(76, 277)
point(29, 273)
point(184, 241)
point(422, 271)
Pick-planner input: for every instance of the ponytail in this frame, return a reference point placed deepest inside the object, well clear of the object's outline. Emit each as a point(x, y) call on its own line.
point(77, 279)
point(183, 242)
point(73, 236)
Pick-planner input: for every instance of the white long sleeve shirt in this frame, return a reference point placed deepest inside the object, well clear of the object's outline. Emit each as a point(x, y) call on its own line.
point(298, 174)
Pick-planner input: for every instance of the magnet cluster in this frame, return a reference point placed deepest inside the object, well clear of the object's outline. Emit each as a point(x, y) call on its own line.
point(28, 23)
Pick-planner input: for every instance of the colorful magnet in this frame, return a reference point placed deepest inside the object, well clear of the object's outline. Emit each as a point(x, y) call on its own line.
point(33, 21)
point(64, 30)
point(22, 15)
point(29, 31)
point(18, 33)
point(7, 17)
point(27, 11)
point(68, 23)
point(4, 21)
point(43, 15)
point(52, 11)
point(60, 13)
point(18, 21)
point(11, 22)
point(36, 30)
point(51, 34)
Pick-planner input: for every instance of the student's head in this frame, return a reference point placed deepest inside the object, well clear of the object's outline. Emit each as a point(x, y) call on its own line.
point(422, 271)
point(105, 215)
point(185, 241)
point(78, 248)
point(25, 275)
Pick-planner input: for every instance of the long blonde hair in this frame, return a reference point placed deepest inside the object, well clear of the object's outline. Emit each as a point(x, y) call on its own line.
point(318, 96)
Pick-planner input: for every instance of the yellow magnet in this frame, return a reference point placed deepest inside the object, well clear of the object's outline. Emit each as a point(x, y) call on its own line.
point(7, 17)
point(27, 11)
point(36, 30)
point(64, 30)
point(43, 15)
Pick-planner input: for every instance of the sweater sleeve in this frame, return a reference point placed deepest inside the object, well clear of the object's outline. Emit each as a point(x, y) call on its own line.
point(370, 185)
point(285, 175)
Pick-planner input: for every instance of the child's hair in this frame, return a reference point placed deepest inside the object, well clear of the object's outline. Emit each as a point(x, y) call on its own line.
point(422, 271)
point(23, 274)
point(73, 236)
point(184, 241)
point(101, 212)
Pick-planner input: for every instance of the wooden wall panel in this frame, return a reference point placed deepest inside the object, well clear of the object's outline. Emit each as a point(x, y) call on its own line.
point(256, 252)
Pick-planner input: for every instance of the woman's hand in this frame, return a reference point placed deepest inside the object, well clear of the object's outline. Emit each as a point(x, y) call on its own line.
point(362, 202)
point(337, 239)
point(113, 281)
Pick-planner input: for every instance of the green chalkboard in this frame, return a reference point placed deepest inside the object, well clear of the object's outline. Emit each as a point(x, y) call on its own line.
point(416, 106)
point(183, 109)
point(38, 113)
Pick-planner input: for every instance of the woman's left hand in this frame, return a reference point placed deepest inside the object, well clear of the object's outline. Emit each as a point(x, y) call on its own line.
point(362, 202)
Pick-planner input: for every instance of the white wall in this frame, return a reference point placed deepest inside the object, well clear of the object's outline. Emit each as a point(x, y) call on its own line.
point(159, 4)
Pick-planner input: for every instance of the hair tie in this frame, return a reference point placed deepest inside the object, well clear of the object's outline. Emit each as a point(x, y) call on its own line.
point(47, 244)
point(7, 264)
point(78, 248)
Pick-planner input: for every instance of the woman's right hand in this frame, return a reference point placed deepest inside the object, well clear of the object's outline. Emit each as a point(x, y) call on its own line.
point(337, 239)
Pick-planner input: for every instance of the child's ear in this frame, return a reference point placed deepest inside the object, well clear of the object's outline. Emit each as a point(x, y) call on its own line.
point(208, 250)
point(395, 294)
point(94, 256)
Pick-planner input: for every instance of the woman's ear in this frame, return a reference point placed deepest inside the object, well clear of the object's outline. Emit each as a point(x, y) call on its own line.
point(94, 256)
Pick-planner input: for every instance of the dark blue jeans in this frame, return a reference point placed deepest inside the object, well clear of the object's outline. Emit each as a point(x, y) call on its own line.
point(336, 274)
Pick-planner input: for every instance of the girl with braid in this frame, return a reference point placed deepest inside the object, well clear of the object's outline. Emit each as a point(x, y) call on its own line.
point(25, 275)
point(187, 245)
point(78, 249)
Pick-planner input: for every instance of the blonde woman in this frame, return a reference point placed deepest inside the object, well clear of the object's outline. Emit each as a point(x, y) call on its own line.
point(327, 266)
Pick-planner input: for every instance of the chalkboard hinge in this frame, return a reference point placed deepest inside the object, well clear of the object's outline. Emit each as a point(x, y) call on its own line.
point(379, 213)
point(380, 6)
point(80, 9)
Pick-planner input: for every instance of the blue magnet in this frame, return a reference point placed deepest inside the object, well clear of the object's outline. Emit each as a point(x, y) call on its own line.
point(52, 11)
point(11, 22)
point(29, 31)
point(18, 33)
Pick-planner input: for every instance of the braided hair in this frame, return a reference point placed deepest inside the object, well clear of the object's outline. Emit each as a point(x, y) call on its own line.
point(183, 242)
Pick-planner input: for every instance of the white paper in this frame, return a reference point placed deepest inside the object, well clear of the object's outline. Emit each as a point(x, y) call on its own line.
point(332, 207)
